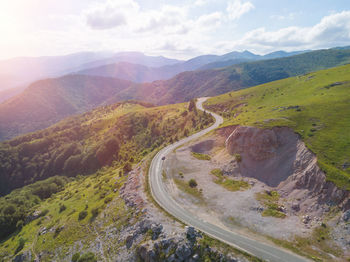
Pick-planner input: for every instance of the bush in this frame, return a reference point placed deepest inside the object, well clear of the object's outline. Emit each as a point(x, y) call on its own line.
point(82, 215)
point(75, 257)
point(95, 212)
point(217, 172)
point(58, 231)
point(62, 208)
point(192, 106)
point(19, 224)
point(87, 257)
point(9, 210)
point(21, 243)
point(44, 213)
point(238, 157)
point(200, 156)
point(127, 167)
point(192, 183)
point(108, 199)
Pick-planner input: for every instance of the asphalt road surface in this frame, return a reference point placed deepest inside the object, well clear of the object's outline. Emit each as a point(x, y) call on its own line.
point(254, 247)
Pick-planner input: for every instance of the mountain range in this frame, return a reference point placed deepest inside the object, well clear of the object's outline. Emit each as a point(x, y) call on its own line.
point(142, 73)
point(48, 101)
point(22, 71)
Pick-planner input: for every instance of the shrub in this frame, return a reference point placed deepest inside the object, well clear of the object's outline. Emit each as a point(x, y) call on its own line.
point(44, 213)
point(238, 157)
point(192, 106)
point(9, 210)
point(19, 224)
point(127, 167)
point(87, 257)
point(82, 215)
point(58, 230)
point(108, 199)
point(62, 208)
point(75, 257)
point(200, 156)
point(217, 172)
point(21, 243)
point(192, 183)
point(95, 212)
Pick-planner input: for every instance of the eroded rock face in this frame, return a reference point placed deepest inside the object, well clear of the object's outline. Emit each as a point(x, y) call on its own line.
point(280, 159)
point(258, 144)
point(266, 154)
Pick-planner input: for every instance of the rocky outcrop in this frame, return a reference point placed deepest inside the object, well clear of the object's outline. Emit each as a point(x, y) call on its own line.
point(130, 190)
point(281, 160)
point(180, 249)
point(346, 216)
point(23, 257)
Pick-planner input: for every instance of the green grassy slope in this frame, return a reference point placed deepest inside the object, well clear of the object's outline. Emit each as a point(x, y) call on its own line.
point(316, 106)
point(61, 227)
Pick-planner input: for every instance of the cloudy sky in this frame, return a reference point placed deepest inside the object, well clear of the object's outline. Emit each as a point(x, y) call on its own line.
point(173, 28)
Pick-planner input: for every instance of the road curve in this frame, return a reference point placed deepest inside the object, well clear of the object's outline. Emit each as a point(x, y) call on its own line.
point(158, 191)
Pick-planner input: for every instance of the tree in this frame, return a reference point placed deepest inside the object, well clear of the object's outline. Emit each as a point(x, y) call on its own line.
point(186, 132)
point(192, 106)
point(127, 167)
point(82, 215)
point(192, 183)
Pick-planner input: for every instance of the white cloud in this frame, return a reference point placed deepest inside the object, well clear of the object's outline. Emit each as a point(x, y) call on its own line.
point(210, 20)
point(332, 30)
point(200, 2)
point(237, 8)
point(168, 20)
point(290, 16)
point(110, 14)
point(170, 28)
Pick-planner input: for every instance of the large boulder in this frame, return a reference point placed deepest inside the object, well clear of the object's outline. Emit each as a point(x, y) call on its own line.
point(346, 215)
point(191, 233)
point(129, 241)
point(156, 230)
point(183, 252)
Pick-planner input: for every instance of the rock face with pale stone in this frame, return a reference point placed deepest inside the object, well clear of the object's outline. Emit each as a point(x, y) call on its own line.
point(280, 159)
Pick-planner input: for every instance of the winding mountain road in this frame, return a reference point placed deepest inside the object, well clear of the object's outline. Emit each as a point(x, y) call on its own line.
point(254, 247)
